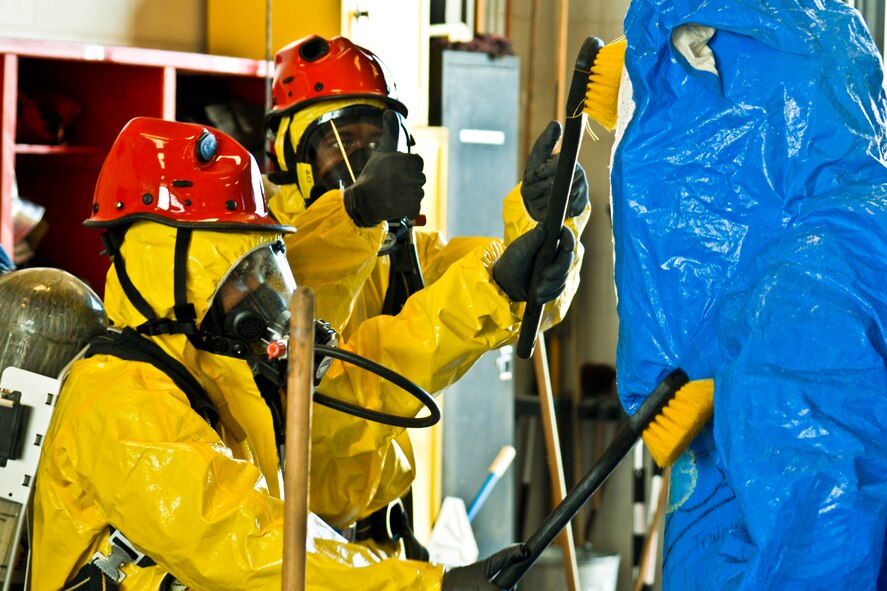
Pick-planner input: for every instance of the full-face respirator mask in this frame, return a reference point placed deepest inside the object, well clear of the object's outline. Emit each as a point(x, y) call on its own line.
point(248, 316)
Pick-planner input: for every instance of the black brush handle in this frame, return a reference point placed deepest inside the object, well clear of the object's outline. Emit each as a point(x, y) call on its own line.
point(560, 191)
point(620, 447)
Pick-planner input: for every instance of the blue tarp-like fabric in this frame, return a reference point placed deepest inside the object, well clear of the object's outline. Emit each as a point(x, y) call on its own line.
point(750, 222)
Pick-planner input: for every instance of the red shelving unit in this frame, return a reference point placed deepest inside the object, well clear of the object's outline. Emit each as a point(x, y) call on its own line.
point(111, 85)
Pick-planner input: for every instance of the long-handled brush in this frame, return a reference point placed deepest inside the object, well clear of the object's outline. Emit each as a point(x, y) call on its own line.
point(593, 92)
point(668, 421)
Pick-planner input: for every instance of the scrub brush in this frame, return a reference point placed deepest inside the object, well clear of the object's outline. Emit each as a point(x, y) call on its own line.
point(593, 92)
point(602, 94)
point(668, 421)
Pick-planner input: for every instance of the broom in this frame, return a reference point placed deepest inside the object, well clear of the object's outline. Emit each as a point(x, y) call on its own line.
point(668, 421)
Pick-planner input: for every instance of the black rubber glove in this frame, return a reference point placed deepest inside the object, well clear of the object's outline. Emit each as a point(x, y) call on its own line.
point(390, 185)
point(476, 576)
point(514, 268)
point(539, 176)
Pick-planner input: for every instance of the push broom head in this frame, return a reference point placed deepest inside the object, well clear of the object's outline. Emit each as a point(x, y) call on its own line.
point(602, 93)
point(679, 421)
point(673, 415)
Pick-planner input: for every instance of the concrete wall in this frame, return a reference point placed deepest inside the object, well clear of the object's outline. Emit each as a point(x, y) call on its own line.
point(160, 24)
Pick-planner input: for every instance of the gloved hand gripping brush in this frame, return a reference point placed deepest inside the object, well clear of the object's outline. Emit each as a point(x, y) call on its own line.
point(668, 420)
point(593, 92)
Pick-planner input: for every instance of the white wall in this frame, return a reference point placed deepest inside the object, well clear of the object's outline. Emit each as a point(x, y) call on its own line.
point(160, 24)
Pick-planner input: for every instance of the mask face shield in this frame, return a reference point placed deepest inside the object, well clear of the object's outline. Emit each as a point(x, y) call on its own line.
point(338, 145)
point(248, 315)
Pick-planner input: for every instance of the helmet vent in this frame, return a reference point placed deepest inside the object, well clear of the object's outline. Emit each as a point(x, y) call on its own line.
point(182, 183)
point(314, 50)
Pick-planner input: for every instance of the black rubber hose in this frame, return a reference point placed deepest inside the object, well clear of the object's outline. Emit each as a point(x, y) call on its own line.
point(383, 372)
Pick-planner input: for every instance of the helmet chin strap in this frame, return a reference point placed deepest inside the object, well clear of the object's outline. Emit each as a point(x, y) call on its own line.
point(288, 176)
point(185, 315)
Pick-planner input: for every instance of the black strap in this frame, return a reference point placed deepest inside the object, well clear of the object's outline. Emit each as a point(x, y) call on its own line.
point(288, 176)
point(289, 150)
point(112, 239)
point(180, 276)
point(413, 548)
point(184, 312)
point(186, 316)
point(130, 345)
point(404, 274)
point(404, 279)
point(283, 177)
point(391, 524)
point(90, 578)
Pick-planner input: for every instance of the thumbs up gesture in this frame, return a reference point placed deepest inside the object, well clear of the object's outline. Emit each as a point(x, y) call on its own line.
point(390, 185)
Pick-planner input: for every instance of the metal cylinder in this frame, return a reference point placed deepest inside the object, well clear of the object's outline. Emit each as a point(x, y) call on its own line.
point(46, 317)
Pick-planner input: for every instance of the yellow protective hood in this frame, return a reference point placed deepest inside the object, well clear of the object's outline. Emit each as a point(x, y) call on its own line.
point(148, 250)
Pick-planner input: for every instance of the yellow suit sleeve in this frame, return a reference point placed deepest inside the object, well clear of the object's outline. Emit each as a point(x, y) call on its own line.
point(332, 256)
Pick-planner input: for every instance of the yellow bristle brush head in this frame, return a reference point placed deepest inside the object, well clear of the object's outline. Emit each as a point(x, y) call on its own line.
point(602, 94)
point(679, 421)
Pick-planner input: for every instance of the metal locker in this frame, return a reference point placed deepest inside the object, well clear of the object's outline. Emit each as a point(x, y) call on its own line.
point(476, 97)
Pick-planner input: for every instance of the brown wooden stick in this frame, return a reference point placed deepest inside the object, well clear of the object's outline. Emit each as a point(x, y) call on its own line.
point(531, 77)
point(561, 74)
point(555, 463)
point(650, 550)
point(300, 387)
point(479, 14)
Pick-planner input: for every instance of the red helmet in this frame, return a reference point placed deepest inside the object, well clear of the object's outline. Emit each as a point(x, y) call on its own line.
point(314, 69)
point(180, 174)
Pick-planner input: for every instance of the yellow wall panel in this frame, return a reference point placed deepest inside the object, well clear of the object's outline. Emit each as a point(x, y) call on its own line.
point(237, 27)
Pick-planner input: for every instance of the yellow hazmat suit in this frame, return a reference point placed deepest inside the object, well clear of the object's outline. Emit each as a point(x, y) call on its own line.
point(126, 450)
point(358, 467)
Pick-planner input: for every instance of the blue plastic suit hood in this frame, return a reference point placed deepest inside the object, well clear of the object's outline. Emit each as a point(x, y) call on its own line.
point(750, 225)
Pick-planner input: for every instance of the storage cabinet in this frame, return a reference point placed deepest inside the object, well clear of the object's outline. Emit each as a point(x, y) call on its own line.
point(111, 85)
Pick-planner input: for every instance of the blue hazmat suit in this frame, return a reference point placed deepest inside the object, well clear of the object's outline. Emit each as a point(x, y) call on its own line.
point(750, 225)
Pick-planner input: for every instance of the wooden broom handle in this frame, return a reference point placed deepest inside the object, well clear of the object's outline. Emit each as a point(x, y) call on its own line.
point(555, 463)
point(561, 74)
point(650, 550)
point(300, 386)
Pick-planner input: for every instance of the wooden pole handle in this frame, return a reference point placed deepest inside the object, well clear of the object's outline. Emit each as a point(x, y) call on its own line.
point(300, 388)
point(555, 463)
